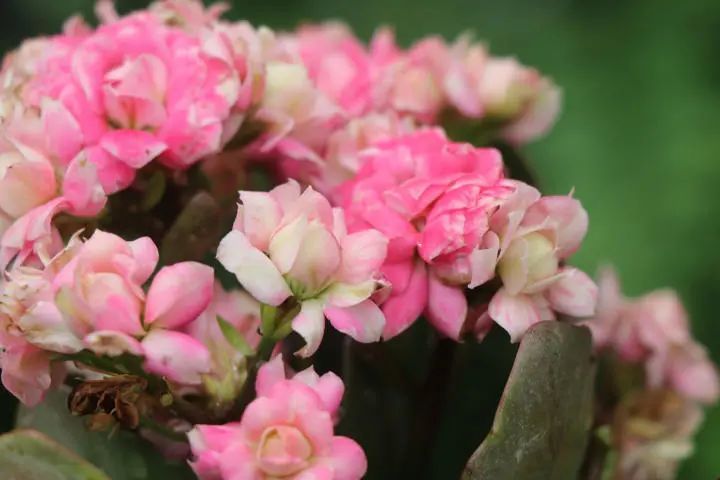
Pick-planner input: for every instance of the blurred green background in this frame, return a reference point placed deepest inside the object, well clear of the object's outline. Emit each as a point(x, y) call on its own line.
point(637, 138)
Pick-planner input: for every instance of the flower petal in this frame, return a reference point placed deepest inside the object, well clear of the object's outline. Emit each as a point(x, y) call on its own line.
point(363, 253)
point(179, 294)
point(348, 459)
point(404, 307)
point(347, 295)
point(310, 324)
point(575, 294)
point(269, 374)
point(364, 322)
point(261, 216)
point(134, 148)
point(447, 307)
point(253, 269)
point(514, 313)
point(176, 356)
point(285, 243)
point(112, 344)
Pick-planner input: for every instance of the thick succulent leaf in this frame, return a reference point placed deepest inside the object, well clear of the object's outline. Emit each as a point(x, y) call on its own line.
point(30, 455)
point(542, 425)
point(121, 455)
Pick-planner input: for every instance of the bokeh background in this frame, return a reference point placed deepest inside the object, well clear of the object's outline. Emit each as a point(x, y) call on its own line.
point(638, 138)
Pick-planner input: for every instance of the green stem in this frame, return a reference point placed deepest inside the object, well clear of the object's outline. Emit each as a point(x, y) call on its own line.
point(273, 331)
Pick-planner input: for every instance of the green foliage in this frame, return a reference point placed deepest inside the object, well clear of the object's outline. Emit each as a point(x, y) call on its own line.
point(543, 422)
point(30, 455)
point(234, 338)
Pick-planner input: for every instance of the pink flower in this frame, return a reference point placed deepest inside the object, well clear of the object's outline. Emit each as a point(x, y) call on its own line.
point(653, 432)
point(100, 288)
point(40, 176)
point(139, 89)
point(287, 244)
point(502, 90)
point(299, 115)
point(228, 372)
point(27, 179)
point(342, 157)
point(338, 64)
point(409, 82)
point(90, 296)
point(686, 369)
point(532, 236)
point(26, 369)
point(191, 15)
point(287, 431)
point(432, 198)
point(654, 329)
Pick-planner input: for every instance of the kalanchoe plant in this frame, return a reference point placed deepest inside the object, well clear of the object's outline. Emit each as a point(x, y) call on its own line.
point(138, 287)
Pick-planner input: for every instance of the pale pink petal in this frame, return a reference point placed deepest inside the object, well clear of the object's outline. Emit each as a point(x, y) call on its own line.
point(135, 148)
point(348, 459)
point(329, 387)
point(44, 326)
point(82, 188)
point(447, 307)
point(179, 294)
point(405, 306)
point(515, 268)
point(566, 216)
point(319, 471)
point(238, 463)
point(176, 356)
point(146, 257)
point(317, 262)
point(514, 313)
point(483, 262)
point(364, 322)
point(26, 373)
point(575, 294)
point(113, 174)
point(310, 324)
point(362, 255)
point(269, 374)
point(285, 243)
point(262, 215)
point(346, 295)
point(62, 131)
point(286, 194)
point(693, 375)
point(264, 412)
point(112, 343)
point(253, 269)
point(207, 443)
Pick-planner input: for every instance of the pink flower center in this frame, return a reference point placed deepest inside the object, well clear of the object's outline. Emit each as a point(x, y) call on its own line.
point(135, 93)
point(283, 451)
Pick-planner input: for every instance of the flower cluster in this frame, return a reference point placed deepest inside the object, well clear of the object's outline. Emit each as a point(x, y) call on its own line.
point(654, 331)
point(654, 424)
point(355, 206)
point(454, 222)
point(286, 432)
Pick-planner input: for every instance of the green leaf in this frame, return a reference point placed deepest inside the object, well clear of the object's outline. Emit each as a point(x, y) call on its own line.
point(122, 455)
point(30, 455)
point(154, 191)
point(196, 231)
point(234, 337)
point(542, 425)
